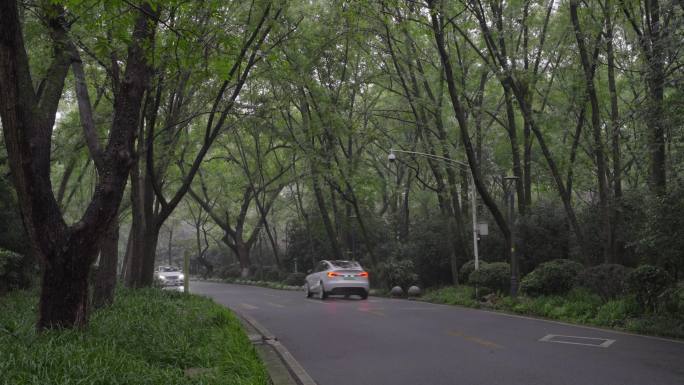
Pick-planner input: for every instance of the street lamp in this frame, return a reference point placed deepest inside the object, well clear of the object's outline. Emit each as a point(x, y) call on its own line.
point(391, 157)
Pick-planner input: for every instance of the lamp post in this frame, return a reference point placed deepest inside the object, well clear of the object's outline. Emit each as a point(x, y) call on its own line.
point(391, 157)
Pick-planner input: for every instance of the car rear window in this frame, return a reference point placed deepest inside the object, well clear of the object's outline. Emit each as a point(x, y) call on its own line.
point(346, 264)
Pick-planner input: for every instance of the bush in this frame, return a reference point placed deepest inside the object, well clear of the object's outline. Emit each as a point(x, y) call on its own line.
point(466, 269)
point(14, 274)
point(553, 277)
point(295, 279)
point(232, 271)
point(272, 274)
point(606, 280)
point(648, 283)
point(395, 272)
point(495, 276)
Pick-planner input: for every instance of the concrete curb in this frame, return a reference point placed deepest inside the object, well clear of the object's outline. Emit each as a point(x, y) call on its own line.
point(282, 367)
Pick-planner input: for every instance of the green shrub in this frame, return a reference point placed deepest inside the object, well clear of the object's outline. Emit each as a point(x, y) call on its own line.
point(466, 269)
point(295, 279)
point(496, 276)
point(272, 274)
point(395, 272)
point(232, 271)
point(14, 274)
point(606, 280)
point(648, 283)
point(549, 278)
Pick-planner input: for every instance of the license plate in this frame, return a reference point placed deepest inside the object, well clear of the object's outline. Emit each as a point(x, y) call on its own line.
point(349, 278)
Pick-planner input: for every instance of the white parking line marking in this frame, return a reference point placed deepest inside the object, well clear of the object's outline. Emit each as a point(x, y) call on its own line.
point(588, 341)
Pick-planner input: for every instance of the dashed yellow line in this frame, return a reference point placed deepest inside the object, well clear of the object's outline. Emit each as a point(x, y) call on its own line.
point(479, 341)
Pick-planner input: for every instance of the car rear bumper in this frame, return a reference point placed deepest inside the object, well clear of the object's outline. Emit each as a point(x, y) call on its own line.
point(346, 287)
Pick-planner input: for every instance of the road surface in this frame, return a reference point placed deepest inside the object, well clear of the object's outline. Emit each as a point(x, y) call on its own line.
point(398, 342)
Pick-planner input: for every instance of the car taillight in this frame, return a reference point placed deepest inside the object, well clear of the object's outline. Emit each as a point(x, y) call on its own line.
point(333, 274)
point(362, 274)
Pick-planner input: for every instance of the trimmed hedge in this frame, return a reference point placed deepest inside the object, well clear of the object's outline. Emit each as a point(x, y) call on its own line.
point(553, 277)
point(295, 279)
point(395, 272)
point(648, 283)
point(466, 269)
point(13, 272)
point(608, 281)
point(495, 276)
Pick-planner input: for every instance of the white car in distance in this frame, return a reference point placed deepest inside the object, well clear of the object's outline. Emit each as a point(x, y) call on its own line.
point(169, 276)
point(337, 278)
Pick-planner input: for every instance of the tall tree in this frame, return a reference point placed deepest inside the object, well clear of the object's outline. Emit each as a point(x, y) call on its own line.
point(28, 115)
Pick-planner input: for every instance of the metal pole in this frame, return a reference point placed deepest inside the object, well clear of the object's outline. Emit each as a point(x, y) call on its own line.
point(473, 201)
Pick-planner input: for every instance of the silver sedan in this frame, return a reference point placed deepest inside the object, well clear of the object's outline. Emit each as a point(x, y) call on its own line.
point(337, 278)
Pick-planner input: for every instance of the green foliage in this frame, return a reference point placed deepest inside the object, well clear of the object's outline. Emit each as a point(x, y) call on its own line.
point(543, 234)
point(615, 312)
point(452, 295)
point(660, 240)
point(396, 272)
point(295, 279)
point(148, 336)
point(15, 271)
point(231, 271)
point(272, 274)
point(430, 252)
point(553, 277)
point(648, 283)
point(606, 280)
point(466, 269)
point(495, 276)
point(12, 234)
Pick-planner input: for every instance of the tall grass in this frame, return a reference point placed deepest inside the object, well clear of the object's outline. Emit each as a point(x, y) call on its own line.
point(148, 336)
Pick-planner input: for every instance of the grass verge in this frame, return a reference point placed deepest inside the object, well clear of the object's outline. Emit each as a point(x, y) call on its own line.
point(578, 306)
point(148, 336)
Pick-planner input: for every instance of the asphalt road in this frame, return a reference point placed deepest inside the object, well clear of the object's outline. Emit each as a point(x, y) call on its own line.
point(395, 342)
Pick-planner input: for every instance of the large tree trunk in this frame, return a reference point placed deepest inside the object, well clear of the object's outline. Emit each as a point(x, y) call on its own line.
point(105, 276)
point(64, 289)
point(242, 249)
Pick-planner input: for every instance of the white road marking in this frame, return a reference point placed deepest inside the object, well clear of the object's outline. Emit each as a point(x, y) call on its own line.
point(275, 304)
point(248, 306)
point(604, 344)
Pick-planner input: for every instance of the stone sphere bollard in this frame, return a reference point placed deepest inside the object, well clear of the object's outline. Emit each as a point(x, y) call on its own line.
point(397, 292)
point(414, 291)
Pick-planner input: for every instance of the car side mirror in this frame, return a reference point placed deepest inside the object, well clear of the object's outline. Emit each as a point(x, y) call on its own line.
point(309, 271)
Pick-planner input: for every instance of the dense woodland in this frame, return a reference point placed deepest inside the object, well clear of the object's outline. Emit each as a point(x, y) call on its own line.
point(254, 137)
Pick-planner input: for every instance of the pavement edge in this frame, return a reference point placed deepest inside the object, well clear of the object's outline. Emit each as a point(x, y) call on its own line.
point(284, 370)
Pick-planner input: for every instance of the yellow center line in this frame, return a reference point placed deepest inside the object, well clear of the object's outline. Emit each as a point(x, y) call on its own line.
point(479, 341)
